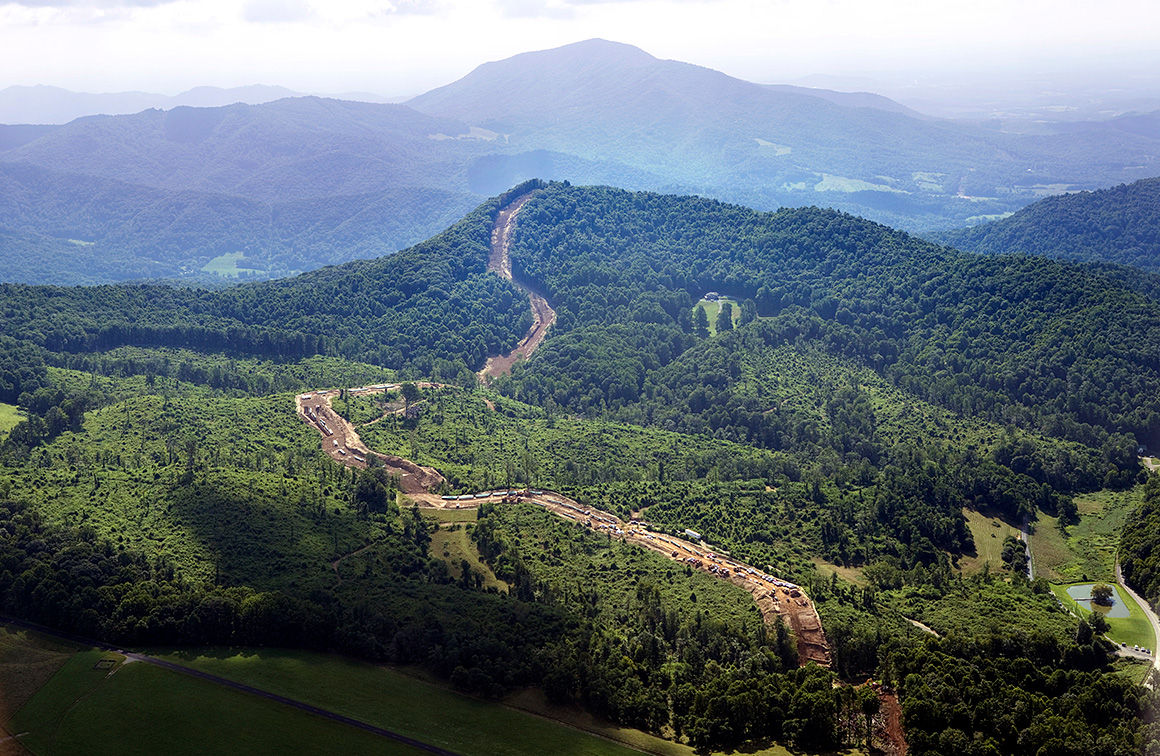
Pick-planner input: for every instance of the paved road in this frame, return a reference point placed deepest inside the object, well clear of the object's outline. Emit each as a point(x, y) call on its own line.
point(1151, 615)
point(300, 705)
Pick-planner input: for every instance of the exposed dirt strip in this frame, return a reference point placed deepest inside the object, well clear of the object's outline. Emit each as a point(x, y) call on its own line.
point(775, 597)
point(499, 261)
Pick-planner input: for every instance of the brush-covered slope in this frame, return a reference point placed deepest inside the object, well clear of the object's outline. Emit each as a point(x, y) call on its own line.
point(1118, 225)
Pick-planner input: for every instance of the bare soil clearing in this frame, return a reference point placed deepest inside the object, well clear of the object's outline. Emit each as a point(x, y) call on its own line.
point(341, 441)
point(775, 598)
point(499, 261)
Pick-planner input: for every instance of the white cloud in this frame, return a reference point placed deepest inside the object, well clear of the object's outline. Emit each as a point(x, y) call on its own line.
point(277, 11)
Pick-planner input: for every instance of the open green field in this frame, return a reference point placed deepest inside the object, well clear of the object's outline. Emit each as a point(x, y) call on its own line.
point(453, 545)
point(988, 534)
point(10, 415)
point(27, 661)
point(227, 265)
point(1086, 551)
point(418, 709)
point(1134, 630)
point(89, 708)
point(712, 309)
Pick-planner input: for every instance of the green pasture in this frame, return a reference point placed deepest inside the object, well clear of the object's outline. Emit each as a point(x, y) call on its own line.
point(405, 704)
point(1086, 551)
point(89, 709)
point(1134, 630)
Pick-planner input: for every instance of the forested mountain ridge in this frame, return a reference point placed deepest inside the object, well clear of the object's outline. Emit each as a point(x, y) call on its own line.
point(160, 489)
point(1015, 339)
point(1117, 225)
point(432, 307)
point(82, 229)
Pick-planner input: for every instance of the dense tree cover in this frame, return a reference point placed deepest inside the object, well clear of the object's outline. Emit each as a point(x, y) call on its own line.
point(431, 308)
point(1139, 552)
point(1015, 692)
point(1013, 339)
point(1116, 225)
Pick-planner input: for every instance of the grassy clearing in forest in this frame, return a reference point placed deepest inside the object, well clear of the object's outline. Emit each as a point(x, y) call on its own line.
point(10, 415)
point(1086, 551)
point(988, 534)
point(453, 545)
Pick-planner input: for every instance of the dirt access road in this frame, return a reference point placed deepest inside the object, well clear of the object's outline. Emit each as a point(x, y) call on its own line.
point(500, 263)
point(775, 597)
point(341, 442)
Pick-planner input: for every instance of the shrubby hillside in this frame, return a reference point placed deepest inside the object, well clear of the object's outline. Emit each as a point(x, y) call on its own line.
point(158, 487)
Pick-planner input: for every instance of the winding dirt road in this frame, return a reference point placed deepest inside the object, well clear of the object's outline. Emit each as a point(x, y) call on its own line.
point(500, 263)
point(775, 598)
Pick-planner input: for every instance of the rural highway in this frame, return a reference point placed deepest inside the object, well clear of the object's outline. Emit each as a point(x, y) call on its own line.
point(241, 687)
point(1151, 615)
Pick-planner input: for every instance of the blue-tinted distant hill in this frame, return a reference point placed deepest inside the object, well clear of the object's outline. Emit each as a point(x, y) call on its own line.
point(292, 185)
point(366, 179)
point(1118, 225)
point(768, 147)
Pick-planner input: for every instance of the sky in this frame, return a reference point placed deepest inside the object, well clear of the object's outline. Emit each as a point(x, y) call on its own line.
point(405, 47)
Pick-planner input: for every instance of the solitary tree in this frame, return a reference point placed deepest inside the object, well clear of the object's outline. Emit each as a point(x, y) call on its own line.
point(701, 322)
point(1102, 594)
point(411, 394)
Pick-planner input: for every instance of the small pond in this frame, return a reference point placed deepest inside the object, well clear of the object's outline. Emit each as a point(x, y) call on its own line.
point(1082, 595)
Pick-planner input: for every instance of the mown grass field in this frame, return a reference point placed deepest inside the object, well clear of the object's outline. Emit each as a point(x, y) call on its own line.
point(1134, 630)
point(10, 415)
point(410, 706)
point(27, 662)
point(988, 534)
point(1086, 551)
point(139, 708)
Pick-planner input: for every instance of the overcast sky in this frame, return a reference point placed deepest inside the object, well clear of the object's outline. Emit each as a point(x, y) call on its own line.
point(401, 47)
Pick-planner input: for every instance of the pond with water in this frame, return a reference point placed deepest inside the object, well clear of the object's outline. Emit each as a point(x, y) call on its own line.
point(1082, 595)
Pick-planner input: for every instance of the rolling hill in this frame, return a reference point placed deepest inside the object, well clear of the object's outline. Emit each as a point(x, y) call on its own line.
point(1119, 225)
point(594, 112)
point(161, 489)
